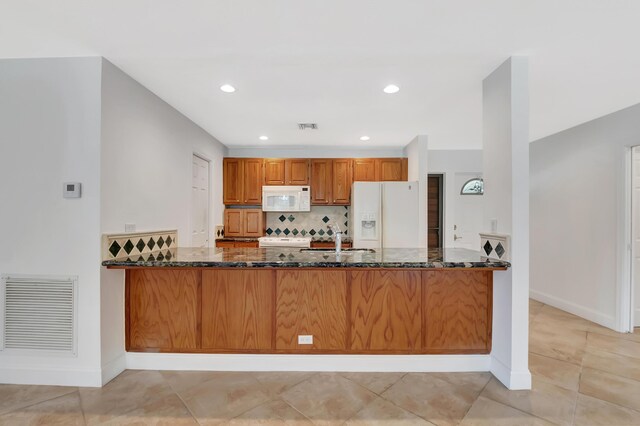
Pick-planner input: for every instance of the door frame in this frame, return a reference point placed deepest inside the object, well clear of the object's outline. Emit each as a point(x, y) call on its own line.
point(209, 174)
point(626, 297)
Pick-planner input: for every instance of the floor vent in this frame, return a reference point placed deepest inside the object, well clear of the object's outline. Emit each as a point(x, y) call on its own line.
point(39, 314)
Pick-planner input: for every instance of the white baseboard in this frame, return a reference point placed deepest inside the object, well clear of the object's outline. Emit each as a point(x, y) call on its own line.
point(573, 308)
point(49, 376)
point(268, 362)
point(114, 367)
point(513, 380)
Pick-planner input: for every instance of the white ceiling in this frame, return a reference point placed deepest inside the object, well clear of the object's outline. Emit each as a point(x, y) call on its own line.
point(326, 61)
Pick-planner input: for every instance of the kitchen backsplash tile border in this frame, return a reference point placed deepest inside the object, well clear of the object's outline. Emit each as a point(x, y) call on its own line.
point(137, 243)
point(313, 223)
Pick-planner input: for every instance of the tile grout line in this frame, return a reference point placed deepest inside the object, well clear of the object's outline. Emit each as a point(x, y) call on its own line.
point(40, 402)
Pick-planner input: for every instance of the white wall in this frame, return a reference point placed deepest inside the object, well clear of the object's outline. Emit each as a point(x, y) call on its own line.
point(313, 152)
point(417, 160)
point(505, 94)
point(50, 134)
point(450, 163)
point(578, 216)
point(146, 160)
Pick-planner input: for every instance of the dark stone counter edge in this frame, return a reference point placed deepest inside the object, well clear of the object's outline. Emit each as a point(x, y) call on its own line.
point(393, 265)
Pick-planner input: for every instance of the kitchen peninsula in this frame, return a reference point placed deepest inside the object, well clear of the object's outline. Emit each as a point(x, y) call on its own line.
point(308, 301)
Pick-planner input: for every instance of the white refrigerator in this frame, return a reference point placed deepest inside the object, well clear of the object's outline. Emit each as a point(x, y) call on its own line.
point(385, 215)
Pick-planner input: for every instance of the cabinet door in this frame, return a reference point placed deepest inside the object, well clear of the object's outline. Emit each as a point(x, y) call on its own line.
point(253, 223)
point(342, 179)
point(311, 303)
point(274, 171)
point(457, 311)
point(321, 181)
point(253, 179)
point(237, 309)
point(390, 169)
point(162, 309)
point(233, 222)
point(232, 181)
point(386, 311)
point(364, 170)
point(297, 171)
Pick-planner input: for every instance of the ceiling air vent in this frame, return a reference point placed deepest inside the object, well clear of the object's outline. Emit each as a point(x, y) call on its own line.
point(312, 126)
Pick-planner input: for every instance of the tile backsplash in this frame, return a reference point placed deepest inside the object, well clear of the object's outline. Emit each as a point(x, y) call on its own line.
point(313, 223)
point(137, 243)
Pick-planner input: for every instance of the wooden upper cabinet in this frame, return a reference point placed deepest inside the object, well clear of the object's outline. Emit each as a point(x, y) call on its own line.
point(321, 181)
point(233, 181)
point(233, 222)
point(391, 169)
point(274, 171)
point(297, 171)
point(364, 170)
point(244, 222)
point(342, 179)
point(253, 179)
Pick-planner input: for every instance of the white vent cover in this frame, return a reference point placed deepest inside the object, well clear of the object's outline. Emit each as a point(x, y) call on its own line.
point(312, 126)
point(39, 314)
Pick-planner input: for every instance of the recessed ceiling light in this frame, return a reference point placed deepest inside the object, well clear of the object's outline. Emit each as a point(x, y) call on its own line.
point(364, 138)
point(227, 88)
point(264, 138)
point(392, 88)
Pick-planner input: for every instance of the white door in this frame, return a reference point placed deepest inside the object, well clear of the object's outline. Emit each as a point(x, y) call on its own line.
point(467, 215)
point(200, 203)
point(635, 229)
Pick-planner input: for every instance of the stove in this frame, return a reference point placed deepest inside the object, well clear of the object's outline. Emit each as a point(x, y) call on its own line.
point(304, 242)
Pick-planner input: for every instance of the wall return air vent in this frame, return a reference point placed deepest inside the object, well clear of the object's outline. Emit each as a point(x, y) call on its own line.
point(38, 314)
point(311, 126)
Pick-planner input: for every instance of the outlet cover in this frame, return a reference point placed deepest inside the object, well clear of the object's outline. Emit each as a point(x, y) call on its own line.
point(305, 339)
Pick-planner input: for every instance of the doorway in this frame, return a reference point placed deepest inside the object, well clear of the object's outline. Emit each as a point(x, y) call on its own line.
point(434, 211)
point(467, 212)
point(200, 202)
point(635, 236)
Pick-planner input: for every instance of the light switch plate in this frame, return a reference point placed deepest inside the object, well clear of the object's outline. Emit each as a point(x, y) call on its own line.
point(305, 339)
point(129, 227)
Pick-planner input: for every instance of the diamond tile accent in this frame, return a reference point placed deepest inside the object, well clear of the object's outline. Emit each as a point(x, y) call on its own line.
point(168, 256)
point(141, 245)
point(487, 248)
point(160, 256)
point(329, 232)
point(500, 250)
point(286, 231)
point(151, 244)
point(295, 231)
point(320, 231)
point(151, 258)
point(278, 231)
point(325, 219)
point(160, 242)
point(114, 249)
point(128, 246)
point(303, 232)
point(291, 218)
point(312, 232)
point(269, 231)
point(169, 241)
point(282, 218)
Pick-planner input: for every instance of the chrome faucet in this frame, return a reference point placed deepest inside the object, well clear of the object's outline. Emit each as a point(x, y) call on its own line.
point(338, 233)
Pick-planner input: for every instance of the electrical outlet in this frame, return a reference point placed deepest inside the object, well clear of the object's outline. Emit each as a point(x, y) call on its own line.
point(305, 339)
point(129, 227)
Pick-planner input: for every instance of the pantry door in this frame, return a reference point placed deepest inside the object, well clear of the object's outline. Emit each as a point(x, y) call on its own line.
point(200, 203)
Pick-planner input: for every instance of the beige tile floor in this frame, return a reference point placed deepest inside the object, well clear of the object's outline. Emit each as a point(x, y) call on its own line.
point(583, 374)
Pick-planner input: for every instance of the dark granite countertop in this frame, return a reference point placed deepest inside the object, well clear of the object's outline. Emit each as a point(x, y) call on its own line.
point(294, 258)
point(314, 239)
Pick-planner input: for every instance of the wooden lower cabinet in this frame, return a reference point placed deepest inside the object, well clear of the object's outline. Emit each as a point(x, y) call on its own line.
point(352, 310)
point(238, 309)
point(386, 312)
point(458, 311)
point(311, 302)
point(162, 309)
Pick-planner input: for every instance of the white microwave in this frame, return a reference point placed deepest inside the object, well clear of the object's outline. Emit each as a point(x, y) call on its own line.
point(286, 199)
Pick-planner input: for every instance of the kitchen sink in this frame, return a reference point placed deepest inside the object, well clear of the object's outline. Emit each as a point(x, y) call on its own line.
point(344, 250)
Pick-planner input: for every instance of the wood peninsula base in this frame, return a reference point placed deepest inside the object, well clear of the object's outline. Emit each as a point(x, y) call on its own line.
point(346, 310)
